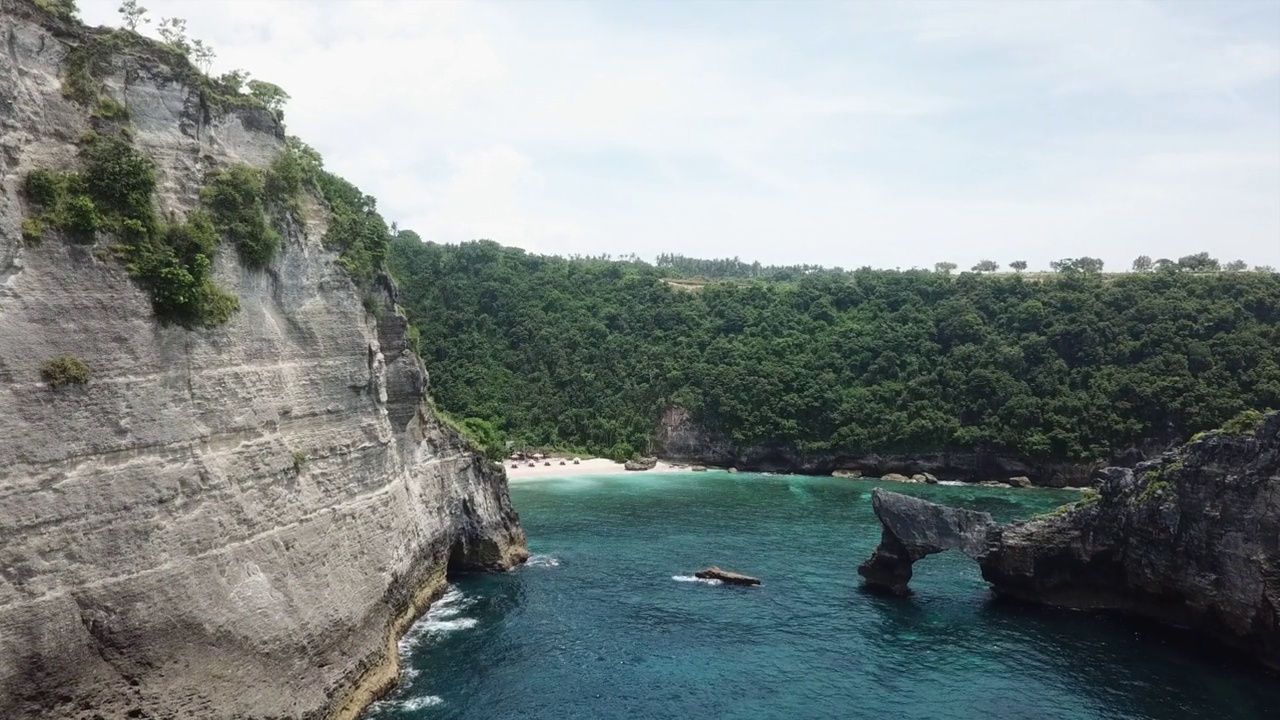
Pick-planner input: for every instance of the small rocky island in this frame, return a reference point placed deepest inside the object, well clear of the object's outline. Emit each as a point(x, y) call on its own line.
point(1191, 539)
point(724, 576)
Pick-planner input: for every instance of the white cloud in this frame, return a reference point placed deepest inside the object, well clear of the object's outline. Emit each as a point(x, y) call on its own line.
point(871, 133)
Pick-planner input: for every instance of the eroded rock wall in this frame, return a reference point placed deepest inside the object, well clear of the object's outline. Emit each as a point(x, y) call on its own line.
point(224, 523)
point(1191, 539)
point(679, 436)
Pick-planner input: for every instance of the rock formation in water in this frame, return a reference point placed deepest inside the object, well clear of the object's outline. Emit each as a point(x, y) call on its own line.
point(226, 522)
point(725, 576)
point(915, 528)
point(1191, 539)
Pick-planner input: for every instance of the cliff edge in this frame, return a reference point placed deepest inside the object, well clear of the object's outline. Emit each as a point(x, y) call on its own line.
point(1191, 539)
point(229, 520)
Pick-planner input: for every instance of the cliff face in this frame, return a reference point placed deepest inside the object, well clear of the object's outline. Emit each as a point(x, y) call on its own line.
point(223, 523)
point(1191, 539)
point(680, 437)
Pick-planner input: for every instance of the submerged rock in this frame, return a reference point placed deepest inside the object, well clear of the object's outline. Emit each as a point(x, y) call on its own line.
point(732, 578)
point(1190, 540)
point(915, 528)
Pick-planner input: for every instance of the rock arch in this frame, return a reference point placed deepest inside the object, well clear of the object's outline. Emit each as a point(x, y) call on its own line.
point(914, 529)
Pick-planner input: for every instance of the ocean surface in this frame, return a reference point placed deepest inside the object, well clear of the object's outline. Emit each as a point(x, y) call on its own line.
point(606, 621)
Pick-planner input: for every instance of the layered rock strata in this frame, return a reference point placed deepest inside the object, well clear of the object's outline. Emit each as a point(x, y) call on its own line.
point(1191, 539)
point(223, 523)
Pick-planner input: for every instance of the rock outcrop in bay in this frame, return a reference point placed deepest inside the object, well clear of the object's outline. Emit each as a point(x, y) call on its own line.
point(914, 529)
point(1191, 539)
point(226, 522)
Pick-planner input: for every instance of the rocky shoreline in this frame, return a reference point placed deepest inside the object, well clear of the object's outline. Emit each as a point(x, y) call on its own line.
point(1191, 540)
point(679, 438)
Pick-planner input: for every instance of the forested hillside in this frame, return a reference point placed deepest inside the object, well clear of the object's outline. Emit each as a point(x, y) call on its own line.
point(587, 353)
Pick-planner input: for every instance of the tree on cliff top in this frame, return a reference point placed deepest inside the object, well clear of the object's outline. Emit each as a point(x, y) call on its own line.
point(272, 96)
point(133, 14)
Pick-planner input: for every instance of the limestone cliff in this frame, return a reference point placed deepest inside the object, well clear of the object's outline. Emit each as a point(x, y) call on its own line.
point(234, 522)
point(1191, 539)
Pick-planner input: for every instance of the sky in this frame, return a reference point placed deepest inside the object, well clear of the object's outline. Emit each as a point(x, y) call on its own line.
point(888, 134)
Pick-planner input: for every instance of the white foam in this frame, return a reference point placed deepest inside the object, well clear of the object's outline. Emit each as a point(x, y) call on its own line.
point(691, 578)
point(440, 627)
point(542, 561)
point(440, 619)
point(421, 702)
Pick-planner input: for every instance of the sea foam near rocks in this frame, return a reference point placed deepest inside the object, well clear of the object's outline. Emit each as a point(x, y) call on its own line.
point(442, 618)
point(417, 703)
point(690, 578)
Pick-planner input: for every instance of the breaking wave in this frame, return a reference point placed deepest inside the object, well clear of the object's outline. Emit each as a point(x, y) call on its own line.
point(418, 703)
point(442, 618)
point(690, 578)
point(542, 561)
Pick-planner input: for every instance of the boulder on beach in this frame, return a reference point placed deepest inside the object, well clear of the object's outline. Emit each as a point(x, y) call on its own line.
point(733, 470)
point(895, 477)
point(698, 468)
point(846, 473)
point(930, 478)
point(1021, 481)
point(724, 576)
point(641, 464)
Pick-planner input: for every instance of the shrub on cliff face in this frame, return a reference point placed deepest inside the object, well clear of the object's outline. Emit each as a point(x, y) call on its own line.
point(235, 198)
point(1246, 423)
point(120, 180)
point(114, 194)
point(175, 266)
point(65, 9)
point(357, 231)
point(65, 370)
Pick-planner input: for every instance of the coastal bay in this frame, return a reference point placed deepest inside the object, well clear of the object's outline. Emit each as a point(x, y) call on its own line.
point(607, 621)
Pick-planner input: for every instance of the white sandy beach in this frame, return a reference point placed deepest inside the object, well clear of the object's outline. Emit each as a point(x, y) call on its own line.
point(594, 466)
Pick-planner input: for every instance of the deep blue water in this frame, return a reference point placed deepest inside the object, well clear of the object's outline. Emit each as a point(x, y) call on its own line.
point(605, 622)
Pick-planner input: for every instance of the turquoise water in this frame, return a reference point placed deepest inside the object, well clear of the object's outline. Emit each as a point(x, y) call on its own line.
point(605, 621)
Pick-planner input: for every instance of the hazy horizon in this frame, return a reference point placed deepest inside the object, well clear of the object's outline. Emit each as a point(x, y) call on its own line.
point(838, 134)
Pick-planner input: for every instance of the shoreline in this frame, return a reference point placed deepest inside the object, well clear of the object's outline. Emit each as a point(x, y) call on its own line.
point(604, 466)
point(592, 466)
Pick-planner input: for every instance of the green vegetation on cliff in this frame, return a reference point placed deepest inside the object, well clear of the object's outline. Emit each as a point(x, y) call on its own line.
point(588, 353)
point(65, 370)
point(112, 195)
